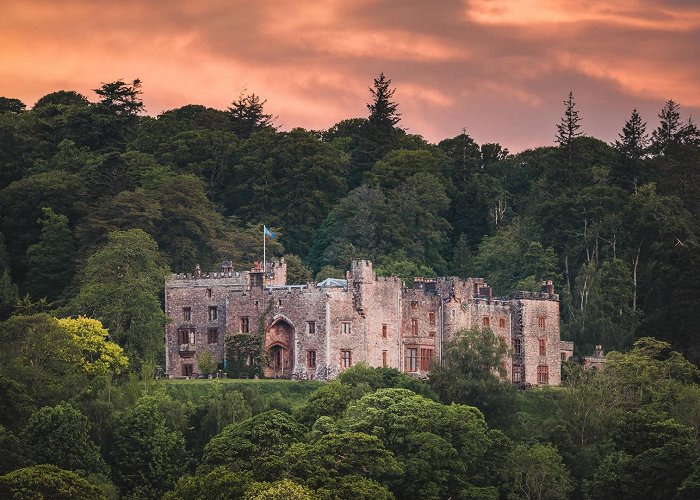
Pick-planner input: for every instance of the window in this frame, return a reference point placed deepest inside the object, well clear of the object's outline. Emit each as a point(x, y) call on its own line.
point(213, 313)
point(542, 374)
point(311, 359)
point(384, 331)
point(543, 347)
point(186, 336)
point(213, 336)
point(209, 292)
point(540, 322)
point(452, 315)
point(187, 314)
point(426, 358)
point(431, 318)
point(501, 322)
point(279, 302)
point(414, 326)
point(187, 370)
point(517, 373)
point(311, 327)
point(346, 359)
point(384, 356)
point(518, 346)
point(257, 303)
point(414, 304)
point(245, 324)
point(345, 328)
point(411, 359)
point(486, 322)
point(563, 356)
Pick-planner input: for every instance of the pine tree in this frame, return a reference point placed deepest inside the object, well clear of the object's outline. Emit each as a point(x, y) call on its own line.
point(634, 140)
point(568, 128)
point(52, 259)
point(667, 134)
point(382, 111)
point(120, 98)
point(378, 134)
point(247, 115)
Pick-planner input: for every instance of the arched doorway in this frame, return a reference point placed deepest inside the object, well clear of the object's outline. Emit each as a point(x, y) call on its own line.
point(279, 345)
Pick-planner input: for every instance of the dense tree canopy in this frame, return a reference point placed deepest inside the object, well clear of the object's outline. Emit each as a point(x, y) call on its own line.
point(98, 202)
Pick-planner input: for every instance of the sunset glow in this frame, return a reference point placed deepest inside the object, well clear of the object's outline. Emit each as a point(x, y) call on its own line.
point(499, 68)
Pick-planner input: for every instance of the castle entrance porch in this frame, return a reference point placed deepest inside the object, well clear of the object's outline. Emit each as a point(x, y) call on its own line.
point(279, 346)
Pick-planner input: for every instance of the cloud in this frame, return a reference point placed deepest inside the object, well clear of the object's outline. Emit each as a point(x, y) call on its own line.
point(499, 68)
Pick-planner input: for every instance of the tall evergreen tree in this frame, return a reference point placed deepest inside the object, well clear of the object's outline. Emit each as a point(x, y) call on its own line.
point(120, 98)
point(247, 116)
point(568, 127)
point(634, 140)
point(632, 147)
point(379, 134)
point(669, 127)
point(52, 258)
point(382, 111)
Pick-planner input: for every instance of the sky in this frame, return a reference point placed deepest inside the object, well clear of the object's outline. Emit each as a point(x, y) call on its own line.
point(500, 69)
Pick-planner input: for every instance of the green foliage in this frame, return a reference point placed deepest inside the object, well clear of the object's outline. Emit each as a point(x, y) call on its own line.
point(278, 490)
point(46, 481)
point(329, 272)
point(537, 472)
point(59, 435)
point(246, 115)
point(11, 105)
point(12, 452)
point(298, 273)
point(219, 408)
point(99, 355)
point(654, 458)
point(323, 463)
point(205, 362)
point(146, 457)
point(244, 355)
point(400, 265)
point(219, 484)
point(256, 445)
point(468, 375)
point(330, 400)
point(42, 357)
point(511, 257)
point(120, 98)
point(119, 287)
point(51, 260)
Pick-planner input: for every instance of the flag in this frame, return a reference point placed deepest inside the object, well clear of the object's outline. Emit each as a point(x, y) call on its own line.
point(269, 233)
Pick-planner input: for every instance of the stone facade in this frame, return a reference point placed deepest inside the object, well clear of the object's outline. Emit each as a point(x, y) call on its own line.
point(316, 330)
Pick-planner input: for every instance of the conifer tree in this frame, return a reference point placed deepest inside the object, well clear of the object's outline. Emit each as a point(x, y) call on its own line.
point(247, 116)
point(568, 128)
point(634, 140)
point(667, 133)
point(52, 258)
point(382, 111)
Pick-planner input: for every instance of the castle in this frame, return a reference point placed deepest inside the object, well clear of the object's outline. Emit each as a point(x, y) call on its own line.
point(316, 330)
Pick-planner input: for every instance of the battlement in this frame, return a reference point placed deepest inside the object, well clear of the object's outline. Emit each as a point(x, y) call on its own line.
point(534, 296)
point(276, 274)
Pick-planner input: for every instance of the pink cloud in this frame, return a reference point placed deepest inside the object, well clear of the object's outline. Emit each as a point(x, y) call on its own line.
point(498, 67)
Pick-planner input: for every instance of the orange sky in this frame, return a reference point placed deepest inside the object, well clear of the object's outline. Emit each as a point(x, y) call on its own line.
point(499, 68)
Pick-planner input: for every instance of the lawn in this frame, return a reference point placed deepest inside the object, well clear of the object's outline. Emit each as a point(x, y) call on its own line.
point(261, 393)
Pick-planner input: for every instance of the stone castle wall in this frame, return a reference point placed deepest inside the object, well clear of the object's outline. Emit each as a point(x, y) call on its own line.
point(315, 331)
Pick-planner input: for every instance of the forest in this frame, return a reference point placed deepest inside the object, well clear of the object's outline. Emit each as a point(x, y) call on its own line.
point(99, 202)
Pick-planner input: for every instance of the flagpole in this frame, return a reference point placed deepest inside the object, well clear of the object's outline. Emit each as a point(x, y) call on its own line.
point(264, 257)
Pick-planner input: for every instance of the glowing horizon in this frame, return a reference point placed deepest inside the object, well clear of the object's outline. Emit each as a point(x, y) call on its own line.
point(499, 69)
